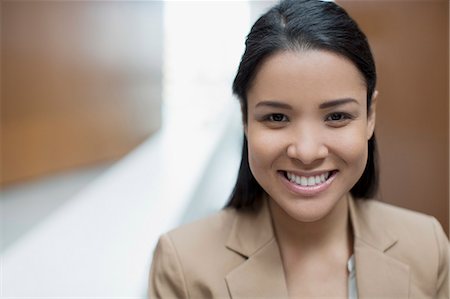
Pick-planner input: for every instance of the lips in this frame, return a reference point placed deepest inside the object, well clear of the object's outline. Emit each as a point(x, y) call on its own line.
point(308, 185)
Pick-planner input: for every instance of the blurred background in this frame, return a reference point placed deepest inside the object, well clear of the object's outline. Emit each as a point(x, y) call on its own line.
point(118, 124)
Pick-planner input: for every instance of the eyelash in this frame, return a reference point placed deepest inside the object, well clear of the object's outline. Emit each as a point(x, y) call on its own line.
point(344, 116)
point(270, 117)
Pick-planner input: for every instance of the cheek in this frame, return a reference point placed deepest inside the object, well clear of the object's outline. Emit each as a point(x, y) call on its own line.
point(351, 147)
point(264, 148)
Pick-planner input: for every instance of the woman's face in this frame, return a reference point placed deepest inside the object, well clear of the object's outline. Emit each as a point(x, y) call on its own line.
point(307, 130)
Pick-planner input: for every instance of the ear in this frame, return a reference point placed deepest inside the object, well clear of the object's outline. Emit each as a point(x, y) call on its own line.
point(244, 119)
point(372, 115)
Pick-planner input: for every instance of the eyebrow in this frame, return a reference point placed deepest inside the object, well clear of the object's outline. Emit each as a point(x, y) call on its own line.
point(329, 104)
point(274, 104)
point(338, 102)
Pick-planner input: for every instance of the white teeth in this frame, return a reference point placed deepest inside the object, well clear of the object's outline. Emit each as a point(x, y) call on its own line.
point(289, 175)
point(308, 181)
point(303, 181)
point(317, 180)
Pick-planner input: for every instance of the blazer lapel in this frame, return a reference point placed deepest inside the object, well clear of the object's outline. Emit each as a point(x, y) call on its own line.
point(377, 274)
point(261, 275)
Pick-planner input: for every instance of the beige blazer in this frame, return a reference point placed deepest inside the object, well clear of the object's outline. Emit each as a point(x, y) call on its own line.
point(398, 254)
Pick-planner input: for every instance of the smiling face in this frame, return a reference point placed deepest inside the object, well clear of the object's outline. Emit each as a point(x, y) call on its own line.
point(307, 130)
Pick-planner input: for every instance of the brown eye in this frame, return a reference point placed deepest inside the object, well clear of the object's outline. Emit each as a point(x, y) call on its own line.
point(338, 116)
point(335, 116)
point(338, 119)
point(277, 117)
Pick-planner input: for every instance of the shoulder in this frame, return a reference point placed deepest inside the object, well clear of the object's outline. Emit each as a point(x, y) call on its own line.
point(416, 235)
point(420, 243)
point(394, 218)
point(414, 230)
point(212, 229)
point(192, 260)
point(202, 241)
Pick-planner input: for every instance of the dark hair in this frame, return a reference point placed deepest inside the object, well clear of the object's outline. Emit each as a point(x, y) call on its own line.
point(301, 25)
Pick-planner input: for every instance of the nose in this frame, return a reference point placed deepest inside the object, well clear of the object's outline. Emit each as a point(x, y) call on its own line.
point(308, 146)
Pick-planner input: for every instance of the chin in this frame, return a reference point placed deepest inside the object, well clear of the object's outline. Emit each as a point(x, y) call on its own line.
point(310, 210)
point(307, 210)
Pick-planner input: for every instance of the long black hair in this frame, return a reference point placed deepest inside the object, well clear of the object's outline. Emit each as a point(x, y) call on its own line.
point(301, 25)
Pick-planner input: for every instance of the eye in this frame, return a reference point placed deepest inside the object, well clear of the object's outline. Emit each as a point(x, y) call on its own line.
point(338, 118)
point(277, 117)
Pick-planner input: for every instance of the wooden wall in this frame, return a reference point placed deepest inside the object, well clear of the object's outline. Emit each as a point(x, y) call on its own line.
point(80, 83)
point(410, 41)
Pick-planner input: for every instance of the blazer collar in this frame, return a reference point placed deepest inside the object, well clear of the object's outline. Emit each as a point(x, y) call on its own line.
point(262, 274)
point(251, 230)
point(367, 225)
point(377, 274)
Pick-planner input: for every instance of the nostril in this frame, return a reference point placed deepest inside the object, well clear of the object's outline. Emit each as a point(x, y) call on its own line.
point(307, 153)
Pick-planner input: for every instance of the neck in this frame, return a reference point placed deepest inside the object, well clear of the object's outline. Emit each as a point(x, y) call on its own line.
point(330, 232)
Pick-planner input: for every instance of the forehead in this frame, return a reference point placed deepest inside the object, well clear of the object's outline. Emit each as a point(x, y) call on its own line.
point(310, 74)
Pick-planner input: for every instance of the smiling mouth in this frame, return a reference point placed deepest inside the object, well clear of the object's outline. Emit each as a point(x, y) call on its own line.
point(309, 181)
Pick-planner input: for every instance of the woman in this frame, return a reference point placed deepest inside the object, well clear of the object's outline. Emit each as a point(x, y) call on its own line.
point(300, 223)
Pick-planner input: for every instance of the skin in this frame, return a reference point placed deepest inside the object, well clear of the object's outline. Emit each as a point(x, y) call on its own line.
point(307, 114)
